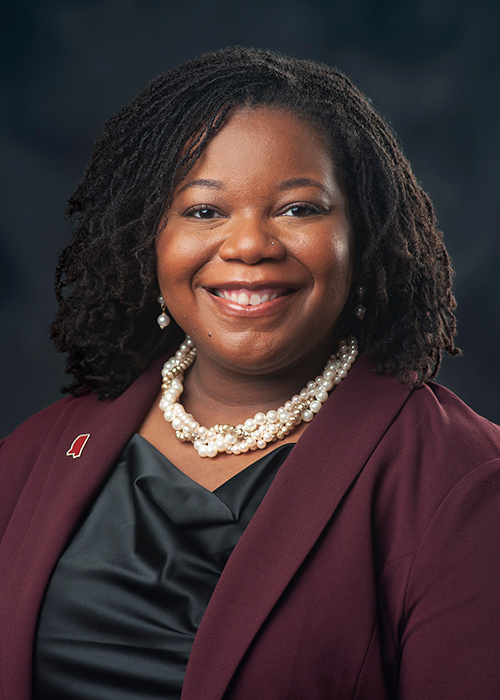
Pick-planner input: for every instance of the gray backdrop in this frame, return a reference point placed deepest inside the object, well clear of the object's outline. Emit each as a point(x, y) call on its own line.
point(431, 66)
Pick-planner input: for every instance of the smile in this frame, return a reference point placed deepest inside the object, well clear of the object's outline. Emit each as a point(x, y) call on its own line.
point(249, 297)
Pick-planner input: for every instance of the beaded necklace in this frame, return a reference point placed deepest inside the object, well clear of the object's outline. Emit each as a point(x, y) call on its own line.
point(257, 432)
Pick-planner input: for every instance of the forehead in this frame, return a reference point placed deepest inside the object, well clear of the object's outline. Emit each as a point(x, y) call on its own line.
point(265, 138)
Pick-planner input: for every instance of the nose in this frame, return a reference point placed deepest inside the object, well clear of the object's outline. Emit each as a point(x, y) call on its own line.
point(251, 241)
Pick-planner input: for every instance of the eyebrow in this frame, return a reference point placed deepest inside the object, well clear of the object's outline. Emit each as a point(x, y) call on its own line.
point(283, 186)
point(211, 184)
point(301, 182)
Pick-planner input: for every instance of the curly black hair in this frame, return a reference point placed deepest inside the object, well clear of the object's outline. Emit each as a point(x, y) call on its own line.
point(106, 281)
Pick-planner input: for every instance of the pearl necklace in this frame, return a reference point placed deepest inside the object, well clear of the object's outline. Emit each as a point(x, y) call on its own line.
point(255, 433)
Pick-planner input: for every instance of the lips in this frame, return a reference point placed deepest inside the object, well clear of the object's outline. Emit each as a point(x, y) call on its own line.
point(250, 297)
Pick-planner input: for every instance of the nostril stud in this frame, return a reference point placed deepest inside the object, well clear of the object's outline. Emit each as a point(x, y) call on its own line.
point(272, 242)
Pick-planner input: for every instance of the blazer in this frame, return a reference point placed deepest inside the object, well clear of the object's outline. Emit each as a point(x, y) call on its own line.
point(371, 569)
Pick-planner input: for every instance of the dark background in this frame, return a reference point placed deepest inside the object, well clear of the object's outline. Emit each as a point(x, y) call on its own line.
point(432, 67)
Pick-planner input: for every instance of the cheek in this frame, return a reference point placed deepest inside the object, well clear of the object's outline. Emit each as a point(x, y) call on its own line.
point(332, 284)
point(178, 257)
point(332, 264)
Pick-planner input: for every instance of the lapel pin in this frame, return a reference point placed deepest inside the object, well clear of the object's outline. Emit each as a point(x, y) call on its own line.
point(77, 446)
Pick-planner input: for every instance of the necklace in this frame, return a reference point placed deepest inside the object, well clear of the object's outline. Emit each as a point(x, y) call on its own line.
point(255, 433)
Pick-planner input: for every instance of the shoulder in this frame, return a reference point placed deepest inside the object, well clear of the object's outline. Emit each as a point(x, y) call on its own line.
point(446, 428)
point(435, 442)
point(436, 457)
point(33, 431)
point(428, 427)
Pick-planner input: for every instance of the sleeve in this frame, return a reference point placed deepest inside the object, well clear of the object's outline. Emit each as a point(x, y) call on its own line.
point(450, 644)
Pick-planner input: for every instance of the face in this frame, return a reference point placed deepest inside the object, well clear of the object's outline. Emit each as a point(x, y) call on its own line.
point(255, 258)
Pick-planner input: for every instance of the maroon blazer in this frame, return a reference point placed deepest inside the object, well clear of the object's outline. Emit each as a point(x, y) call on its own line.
point(370, 571)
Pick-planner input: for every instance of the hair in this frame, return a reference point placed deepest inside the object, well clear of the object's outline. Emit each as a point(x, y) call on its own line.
point(106, 282)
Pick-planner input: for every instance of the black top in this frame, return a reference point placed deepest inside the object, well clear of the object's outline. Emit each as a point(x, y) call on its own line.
point(127, 596)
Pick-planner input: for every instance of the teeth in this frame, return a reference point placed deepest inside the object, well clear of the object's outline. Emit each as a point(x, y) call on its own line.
point(244, 298)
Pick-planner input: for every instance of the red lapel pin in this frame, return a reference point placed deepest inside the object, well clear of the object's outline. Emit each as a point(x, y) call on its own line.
point(77, 446)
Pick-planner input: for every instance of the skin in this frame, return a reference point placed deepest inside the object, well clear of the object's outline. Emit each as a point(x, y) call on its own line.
point(261, 213)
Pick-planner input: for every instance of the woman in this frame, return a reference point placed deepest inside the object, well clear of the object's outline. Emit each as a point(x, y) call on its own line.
point(274, 522)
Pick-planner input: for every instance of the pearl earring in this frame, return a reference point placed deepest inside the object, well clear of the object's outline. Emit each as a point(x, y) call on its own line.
point(163, 319)
point(360, 310)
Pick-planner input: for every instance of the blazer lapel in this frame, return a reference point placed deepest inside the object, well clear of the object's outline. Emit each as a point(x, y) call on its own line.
point(59, 489)
point(302, 499)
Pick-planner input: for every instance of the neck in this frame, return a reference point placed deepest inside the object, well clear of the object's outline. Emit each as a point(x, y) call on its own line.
point(215, 394)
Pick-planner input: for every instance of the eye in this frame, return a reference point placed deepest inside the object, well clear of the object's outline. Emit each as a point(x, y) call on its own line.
point(302, 209)
point(202, 211)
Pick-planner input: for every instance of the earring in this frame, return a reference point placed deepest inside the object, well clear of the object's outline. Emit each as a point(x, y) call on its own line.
point(360, 310)
point(163, 319)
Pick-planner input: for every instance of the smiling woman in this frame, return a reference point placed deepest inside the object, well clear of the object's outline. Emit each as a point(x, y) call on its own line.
point(268, 496)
